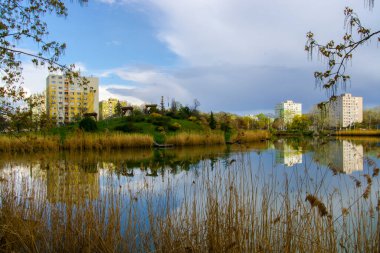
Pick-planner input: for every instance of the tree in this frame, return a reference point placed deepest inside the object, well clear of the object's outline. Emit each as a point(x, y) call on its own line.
point(196, 105)
point(23, 21)
point(212, 122)
point(118, 110)
point(338, 54)
point(301, 123)
point(88, 124)
point(162, 105)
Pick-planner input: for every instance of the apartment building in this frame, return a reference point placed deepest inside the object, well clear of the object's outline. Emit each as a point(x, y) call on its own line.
point(345, 110)
point(107, 108)
point(287, 110)
point(66, 101)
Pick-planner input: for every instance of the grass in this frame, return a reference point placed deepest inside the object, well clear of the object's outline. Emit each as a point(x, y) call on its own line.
point(223, 210)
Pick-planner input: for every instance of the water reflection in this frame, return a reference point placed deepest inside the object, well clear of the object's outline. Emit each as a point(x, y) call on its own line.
point(71, 183)
point(288, 154)
point(342, 156)
point(75, 177)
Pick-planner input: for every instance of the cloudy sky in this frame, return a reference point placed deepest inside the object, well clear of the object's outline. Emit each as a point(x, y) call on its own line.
point(240, 56)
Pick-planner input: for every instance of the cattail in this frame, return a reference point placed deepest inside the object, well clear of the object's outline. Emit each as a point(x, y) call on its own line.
point(315, 202)
point(375, 172)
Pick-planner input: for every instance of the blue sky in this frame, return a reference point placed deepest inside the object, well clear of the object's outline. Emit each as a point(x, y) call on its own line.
point(240, 56)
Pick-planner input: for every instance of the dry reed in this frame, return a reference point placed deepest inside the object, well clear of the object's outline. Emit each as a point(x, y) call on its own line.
point(77, 141)
point(358, 133)
point(250, 136)
point(86, 141)
point(194, 139)
point(26, 143)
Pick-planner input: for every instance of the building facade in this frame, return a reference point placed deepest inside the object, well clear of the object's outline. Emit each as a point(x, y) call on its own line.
point(67, 101)
point(287, 110)
point(344, 111)
point(107, 108)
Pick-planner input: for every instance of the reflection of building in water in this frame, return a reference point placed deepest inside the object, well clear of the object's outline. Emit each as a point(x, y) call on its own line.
point(71, 183)
point(288, 155)
point(341, 156)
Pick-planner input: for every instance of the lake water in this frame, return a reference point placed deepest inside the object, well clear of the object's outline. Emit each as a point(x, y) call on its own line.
point(296, 167)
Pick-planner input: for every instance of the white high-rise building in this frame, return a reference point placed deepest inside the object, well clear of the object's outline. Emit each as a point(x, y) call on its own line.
point(287, 110)
point(345, 110)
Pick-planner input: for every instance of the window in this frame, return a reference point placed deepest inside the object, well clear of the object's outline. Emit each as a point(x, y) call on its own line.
point(78, 93)
point(52, 81)
point(60, 92)
point(60, 77)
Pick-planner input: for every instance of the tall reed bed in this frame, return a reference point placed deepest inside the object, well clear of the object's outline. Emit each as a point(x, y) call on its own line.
point(247, 136)
point(28, 143)
point(194, 139)
point(228, 208)
point(87, 141)
point(358, 133)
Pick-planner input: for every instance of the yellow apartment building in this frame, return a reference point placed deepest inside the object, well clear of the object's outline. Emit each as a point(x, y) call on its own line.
point(107, 107)
point(67, 101)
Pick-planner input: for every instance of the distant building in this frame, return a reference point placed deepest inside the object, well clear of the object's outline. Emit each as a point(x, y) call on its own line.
point(344, 111)
point(287, 110)
point(66, 101)
point(107, 107)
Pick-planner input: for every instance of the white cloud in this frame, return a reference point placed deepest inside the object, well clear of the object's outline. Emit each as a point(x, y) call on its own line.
point(147, 84)
point(105, 92)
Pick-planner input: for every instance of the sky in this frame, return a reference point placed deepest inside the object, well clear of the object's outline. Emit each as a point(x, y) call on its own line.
point(238, 56)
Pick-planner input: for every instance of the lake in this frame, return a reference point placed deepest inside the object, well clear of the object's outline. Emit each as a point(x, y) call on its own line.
point(308, 195)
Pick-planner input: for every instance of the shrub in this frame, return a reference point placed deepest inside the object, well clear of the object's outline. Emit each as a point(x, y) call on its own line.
point(160, 129)
point(193, 118)
point(174, 127)
point(88, 124)
point(128, 127)
point(155, 115)
point(160, 121)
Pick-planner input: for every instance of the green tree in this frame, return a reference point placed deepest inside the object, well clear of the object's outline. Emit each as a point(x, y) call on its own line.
point(88, 124)
point(300, 123)
point(118, 110)
point(338, 54)
point(212, 122)
point(23, 21)
point(162, 105)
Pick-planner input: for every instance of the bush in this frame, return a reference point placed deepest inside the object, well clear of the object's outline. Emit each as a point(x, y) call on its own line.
point(174, 127)
point(159, 121)
point(160, 129)
point(128, 127)
point(88, 124)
